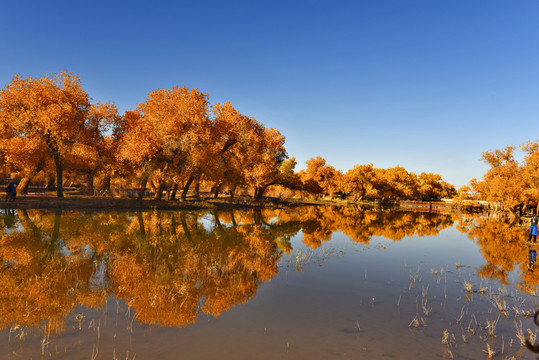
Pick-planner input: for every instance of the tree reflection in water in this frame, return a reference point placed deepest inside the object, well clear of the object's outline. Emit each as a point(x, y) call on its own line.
point(504, 248)
point(170, 266)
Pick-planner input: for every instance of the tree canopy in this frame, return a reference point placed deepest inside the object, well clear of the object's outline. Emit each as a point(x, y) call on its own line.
point(173, 141)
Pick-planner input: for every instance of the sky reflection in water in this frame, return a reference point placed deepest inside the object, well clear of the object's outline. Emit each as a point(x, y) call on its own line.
point(308, 283)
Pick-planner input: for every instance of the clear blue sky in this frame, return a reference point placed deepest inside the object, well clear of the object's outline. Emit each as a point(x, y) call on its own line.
point(428, 85)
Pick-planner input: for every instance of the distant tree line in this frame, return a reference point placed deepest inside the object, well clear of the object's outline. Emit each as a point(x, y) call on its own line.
point(170, 144)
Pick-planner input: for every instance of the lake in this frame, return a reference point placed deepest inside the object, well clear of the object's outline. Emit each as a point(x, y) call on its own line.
point(306, 283)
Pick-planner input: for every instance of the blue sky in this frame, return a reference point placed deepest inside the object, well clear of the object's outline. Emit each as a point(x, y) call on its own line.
point(428, 85)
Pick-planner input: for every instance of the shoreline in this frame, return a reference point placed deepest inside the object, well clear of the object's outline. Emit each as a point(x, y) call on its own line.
point(76, 201)
point(85, 202)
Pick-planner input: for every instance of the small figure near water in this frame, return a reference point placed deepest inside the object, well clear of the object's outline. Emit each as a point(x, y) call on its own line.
point(11, 191)
point(532, 257)
point(533, 228)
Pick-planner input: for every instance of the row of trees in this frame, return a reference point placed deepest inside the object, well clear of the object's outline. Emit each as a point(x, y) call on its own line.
point(366, 181)
point(174, 139)
point(49, 123)
point(508, 182)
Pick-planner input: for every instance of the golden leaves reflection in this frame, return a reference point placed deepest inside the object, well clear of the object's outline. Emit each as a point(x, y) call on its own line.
point(504, 248)
point(167, 266)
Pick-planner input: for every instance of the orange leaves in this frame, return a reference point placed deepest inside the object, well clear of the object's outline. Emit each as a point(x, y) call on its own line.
point(169, 138)
point(170, 125)
point(324, 175)
point(508, 181)
point(50, 111)
point(47, 107)
point(366, 181)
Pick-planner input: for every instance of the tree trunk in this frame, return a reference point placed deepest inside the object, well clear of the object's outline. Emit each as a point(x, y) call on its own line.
point(153, 186)
point(50, 179)
point(197, 189)
point(217, 191)
point(232, 191)
point(106, 183)
point(259, 192)
point(142, 189)
point(159, 191)
point(187, 185)
point(172, 196)
point(90, 185)
point(59, 175)
point(68, 181)
point(22, 188)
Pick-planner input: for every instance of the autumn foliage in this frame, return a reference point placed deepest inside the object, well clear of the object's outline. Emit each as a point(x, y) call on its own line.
point(508, 182)
point(173, 142)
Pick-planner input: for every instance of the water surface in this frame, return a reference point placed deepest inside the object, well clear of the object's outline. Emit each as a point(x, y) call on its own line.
point(310, 283)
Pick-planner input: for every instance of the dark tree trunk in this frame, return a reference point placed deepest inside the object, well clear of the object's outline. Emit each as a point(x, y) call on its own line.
point(197, 189)
point(142, 189)
point(187, 185)
point(217, 191)
point(259, 192)
point(172, 196)
point(232, 191)
point(106, 184)
point(59, 175)
point(50, 179)
point(159, 191)
point(90, 185)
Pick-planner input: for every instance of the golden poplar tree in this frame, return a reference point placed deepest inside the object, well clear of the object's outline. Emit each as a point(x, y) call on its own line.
point(45, 113)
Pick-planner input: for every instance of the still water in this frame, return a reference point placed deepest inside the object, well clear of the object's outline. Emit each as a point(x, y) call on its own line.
point(309, 283)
